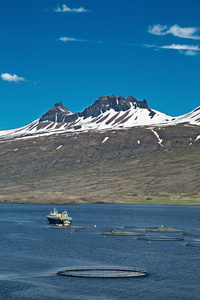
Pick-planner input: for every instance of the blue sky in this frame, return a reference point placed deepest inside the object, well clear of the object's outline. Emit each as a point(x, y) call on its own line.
point(75, 51)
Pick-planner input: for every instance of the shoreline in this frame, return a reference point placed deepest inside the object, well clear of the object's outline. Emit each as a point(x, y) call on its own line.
point(181, 202)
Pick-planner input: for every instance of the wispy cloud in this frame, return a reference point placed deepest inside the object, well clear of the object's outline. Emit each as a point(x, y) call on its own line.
point(181, 47)
point(68, 39)
point(12, 78)
point(175, 30)
point(190, 50)
point(64, 8)
point(157, 29)
point(180, 32)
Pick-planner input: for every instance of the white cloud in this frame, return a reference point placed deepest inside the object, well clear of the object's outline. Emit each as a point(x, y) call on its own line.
point(68, 39)
point(79, 10)
point(189, 50)
point(65, 8)
point(157, 29)
point(175, 30)
point(181, 47)
point(11, 78)
point(184, 32)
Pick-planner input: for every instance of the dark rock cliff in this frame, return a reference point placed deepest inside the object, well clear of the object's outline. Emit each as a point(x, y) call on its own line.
point(59, 113)
point(56, 114)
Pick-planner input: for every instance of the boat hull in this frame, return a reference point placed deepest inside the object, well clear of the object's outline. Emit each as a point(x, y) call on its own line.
point(55, 220)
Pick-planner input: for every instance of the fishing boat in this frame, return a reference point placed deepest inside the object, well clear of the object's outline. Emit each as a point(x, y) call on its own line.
point(55, 218)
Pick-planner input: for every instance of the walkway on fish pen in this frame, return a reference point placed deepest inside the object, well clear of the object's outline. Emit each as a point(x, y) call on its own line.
point(102, 272)
point(193, 244)
point(160, 238)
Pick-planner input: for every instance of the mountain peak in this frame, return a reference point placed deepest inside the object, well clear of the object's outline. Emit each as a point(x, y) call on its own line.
point(59, 104)
point(59, 113)
point(56, 114)
point(105, 103)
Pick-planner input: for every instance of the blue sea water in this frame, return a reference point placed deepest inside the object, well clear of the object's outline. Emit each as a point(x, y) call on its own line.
point(31, 252)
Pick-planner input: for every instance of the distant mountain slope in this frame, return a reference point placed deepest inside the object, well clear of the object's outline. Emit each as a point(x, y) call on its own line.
point(106, 113)
point(103, 166)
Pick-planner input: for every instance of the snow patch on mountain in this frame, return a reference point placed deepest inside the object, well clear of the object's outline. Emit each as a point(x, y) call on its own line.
point(100, 117)
point(157, 135)
point(197, 138)
point(106, 138)
point(59, 147)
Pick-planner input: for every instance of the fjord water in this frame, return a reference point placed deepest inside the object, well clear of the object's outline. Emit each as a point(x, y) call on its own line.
point(31, 252)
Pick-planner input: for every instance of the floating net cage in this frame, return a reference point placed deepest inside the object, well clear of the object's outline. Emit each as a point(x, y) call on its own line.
point(160, 238)
point(139, 227)
point(156, 229)
point(102, 272)
point(192, 233)
point(193, 244)
point(122, 232)
point(164, 229)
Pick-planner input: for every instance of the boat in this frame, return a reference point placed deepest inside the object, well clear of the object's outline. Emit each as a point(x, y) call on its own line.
point(55, 218)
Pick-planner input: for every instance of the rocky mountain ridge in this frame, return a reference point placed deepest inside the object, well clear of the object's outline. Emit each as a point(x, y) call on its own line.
point(106, 113)
point(105, 103)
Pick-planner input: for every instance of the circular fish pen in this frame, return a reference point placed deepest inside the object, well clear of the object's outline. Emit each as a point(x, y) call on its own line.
point(139, 227)
point(164, 229)
point(112, 232)
point(193, 244)
point(102, 272)
point(160, 238)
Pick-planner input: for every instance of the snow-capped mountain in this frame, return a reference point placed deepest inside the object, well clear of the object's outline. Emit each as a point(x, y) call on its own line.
point(106, 113)
point(114, 150)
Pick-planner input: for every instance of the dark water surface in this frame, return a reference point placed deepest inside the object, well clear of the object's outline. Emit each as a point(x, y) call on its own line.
point(31, 253)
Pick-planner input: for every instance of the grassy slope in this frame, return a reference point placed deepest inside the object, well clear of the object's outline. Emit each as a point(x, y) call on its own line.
point(86, 170)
